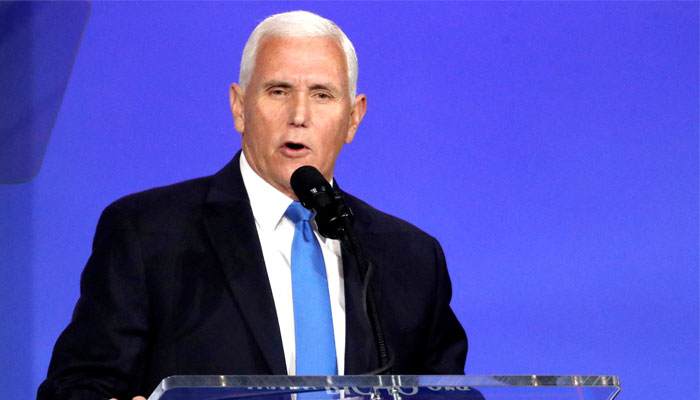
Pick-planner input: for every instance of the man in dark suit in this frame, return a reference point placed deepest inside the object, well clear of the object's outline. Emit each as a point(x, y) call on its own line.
point(194, 278)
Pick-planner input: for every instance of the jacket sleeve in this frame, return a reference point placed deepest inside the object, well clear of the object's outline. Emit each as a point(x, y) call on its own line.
point(101, 352)
point(446, 350)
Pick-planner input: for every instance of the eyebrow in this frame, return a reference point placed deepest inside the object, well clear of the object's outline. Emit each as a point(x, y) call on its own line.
point(270, 84)
point(322, 86)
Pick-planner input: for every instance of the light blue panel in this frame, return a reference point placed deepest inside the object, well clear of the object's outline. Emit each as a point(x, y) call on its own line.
point(16, 330)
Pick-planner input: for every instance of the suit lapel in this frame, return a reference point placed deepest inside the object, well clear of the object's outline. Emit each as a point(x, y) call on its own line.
point(230, 225)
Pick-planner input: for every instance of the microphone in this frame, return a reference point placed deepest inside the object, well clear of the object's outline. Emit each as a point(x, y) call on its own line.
point(315, 193)
point(334, 221)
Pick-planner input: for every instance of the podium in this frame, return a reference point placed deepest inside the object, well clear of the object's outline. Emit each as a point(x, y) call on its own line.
point(387, 387)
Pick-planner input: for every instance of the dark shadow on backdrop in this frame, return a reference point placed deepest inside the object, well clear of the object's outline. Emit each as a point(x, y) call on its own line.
point(38, 45)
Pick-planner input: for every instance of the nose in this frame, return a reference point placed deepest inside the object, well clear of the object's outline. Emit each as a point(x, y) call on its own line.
point(300, 110)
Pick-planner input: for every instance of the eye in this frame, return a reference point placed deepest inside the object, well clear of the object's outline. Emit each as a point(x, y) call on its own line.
point(277, 92)
point(323, 95)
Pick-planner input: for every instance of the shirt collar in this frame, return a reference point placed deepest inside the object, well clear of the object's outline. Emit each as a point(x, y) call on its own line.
point(268, 204)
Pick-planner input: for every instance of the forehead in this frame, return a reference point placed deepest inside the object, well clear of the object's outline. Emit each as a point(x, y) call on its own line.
point(300, 57)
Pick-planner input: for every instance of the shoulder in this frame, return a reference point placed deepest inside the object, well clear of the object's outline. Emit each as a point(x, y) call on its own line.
point(161, 207)
point(373, 222)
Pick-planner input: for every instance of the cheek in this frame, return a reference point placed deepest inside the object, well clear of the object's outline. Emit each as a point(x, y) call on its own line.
point(264, 127)
point(332, 145)
point(270, 113)
point(340, 134)
point(334, 125)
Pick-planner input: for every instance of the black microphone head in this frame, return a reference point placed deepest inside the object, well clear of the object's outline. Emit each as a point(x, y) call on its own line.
point(312, 189)
point(315, 193)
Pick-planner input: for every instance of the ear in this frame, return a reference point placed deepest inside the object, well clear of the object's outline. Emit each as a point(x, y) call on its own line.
point(357, 112)
point(236, 96)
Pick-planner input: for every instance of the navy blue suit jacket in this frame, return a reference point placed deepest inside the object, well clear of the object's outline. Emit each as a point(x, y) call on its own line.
point(176, 284)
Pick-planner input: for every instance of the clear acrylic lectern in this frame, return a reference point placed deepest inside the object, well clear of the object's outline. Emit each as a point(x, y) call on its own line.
point(387, 387)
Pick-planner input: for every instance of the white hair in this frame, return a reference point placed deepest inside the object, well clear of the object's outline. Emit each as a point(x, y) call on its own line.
point(297, 24)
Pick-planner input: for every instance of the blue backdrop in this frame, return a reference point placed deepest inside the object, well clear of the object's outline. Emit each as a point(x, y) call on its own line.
point(552, 148)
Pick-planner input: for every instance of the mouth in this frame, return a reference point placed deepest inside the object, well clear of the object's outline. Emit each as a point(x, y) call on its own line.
point(294, 149)
point(294, 146)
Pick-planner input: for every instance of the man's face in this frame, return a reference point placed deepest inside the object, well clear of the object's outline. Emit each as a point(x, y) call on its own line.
point(296, 109)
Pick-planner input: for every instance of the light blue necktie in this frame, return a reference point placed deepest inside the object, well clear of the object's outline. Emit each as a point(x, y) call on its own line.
point(313, 323)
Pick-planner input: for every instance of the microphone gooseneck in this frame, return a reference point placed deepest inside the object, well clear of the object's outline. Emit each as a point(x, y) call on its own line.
point(334, 221)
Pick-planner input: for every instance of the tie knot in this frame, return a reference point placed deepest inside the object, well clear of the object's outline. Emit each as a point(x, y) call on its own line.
point(297, 213)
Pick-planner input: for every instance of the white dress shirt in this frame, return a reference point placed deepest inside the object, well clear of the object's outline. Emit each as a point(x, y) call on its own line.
point(276, 233)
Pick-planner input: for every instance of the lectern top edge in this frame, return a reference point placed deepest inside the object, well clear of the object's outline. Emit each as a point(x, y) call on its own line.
point(282, 381)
